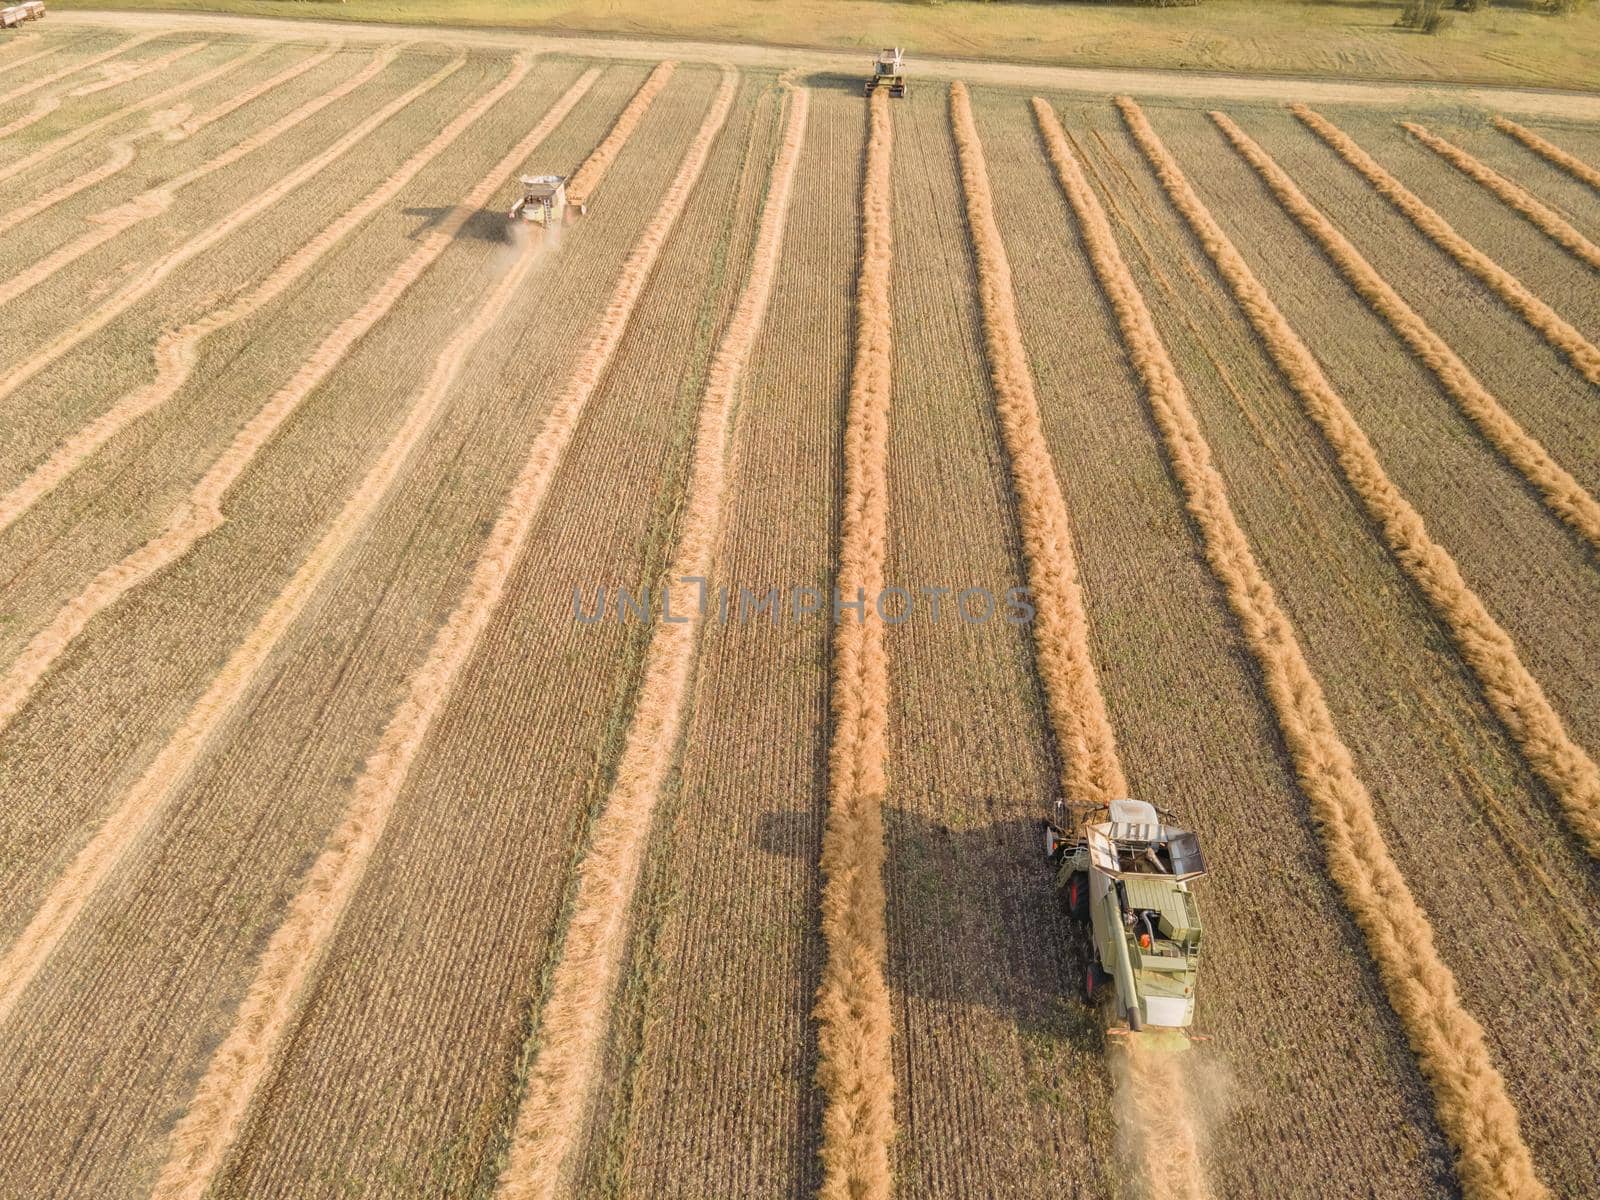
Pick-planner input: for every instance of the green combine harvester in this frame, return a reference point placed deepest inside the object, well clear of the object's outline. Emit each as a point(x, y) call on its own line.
point(1126, 876)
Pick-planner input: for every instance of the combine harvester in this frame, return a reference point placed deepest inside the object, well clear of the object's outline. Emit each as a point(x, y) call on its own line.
point(544, 202)
point(1127, 877)
point(890, 69)
point(11, 17)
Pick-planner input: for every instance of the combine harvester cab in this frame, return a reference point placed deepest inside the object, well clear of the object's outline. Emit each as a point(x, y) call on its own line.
point(1127, 879)
point(544, 201)
point(888, 70)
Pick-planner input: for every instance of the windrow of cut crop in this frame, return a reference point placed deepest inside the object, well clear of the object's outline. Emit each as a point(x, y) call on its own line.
point(1550, 152)
point(72, 68)
point(1470, 1098)
point(43, 108)
point(150, 104)
point(1488, 651)
point(16, 43)
point(155, 201)
point(123, 150)
point(588, 176)
point(173, 764)
point(1539, 214)
point(201, 514)
point(1091, 771)
point(1562, 494)
point(217, 1110)
point(148, 67)
point(854, 1065)
point(177, 351)
point(1092, 774)
point(574, 1018)
point(1538, 315)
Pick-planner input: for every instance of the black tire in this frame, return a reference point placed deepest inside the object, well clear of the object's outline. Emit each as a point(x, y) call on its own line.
point(1075, 897)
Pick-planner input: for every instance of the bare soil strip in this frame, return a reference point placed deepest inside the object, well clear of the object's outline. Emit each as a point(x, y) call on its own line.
point(1562, 494)
point(1570, 163)
point(1469, 1094)
point(122, 154)
point(73, 68)
point(202, 515)
point(1540, 317)
point(1511, 691)
point(854, 1064)
point(177, 351)
point(157, 200)
point(587, 177)
point(1541, 215)
point(217, 1111)
point(576, 1015)
point(150, 104)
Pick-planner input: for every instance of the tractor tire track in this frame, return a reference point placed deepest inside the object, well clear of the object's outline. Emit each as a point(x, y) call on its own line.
point(1562, 494)
point(217, 1110)
point(1470, 1099)
point(1538, 315)
point(575, 1017)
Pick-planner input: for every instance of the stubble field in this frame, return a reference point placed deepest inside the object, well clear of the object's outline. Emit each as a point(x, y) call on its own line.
point(354, 845)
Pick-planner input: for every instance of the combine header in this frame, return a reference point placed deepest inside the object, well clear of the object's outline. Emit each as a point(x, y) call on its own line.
point(888, 70)
point(544, 201)
point(1127, 879)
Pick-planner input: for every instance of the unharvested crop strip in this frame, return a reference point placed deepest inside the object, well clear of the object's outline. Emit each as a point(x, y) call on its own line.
point(1488, 651)
point(1539, 214)
point(588, 176)
point(1538, 315)
point(1470, 1097)
point(121, 156)
point(1550, 152)
point(27, 58)
point(157, 200)
point(202, 513)
point(1563, 494)
point(573, 1021)
point(73, 68)
point(177, 351)
point(171, 767)
point(151, 103)
point(217, 1110)
point(45, 107)
point(1092, 773)
point(854, 1064)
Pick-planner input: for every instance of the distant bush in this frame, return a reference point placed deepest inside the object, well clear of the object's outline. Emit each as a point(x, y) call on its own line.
point(1564, 8)
point(1472, 5)
point(1424, 16)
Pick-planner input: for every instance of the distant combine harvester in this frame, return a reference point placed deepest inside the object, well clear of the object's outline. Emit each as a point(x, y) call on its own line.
point(11, 17)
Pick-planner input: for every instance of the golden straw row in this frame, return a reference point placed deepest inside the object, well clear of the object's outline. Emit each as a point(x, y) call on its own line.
point(854, 1067)
point(1538, 315)
point(216, 1113)
point(1539, 214)
point(575, 1017)
point(1570, 163)
point(1562, 494)
point(92, 865)
point(122, 150)
point(1470, 1098)
point(1092, 774)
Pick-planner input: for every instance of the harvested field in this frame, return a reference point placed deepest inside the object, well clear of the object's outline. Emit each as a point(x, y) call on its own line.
point(440, 752)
